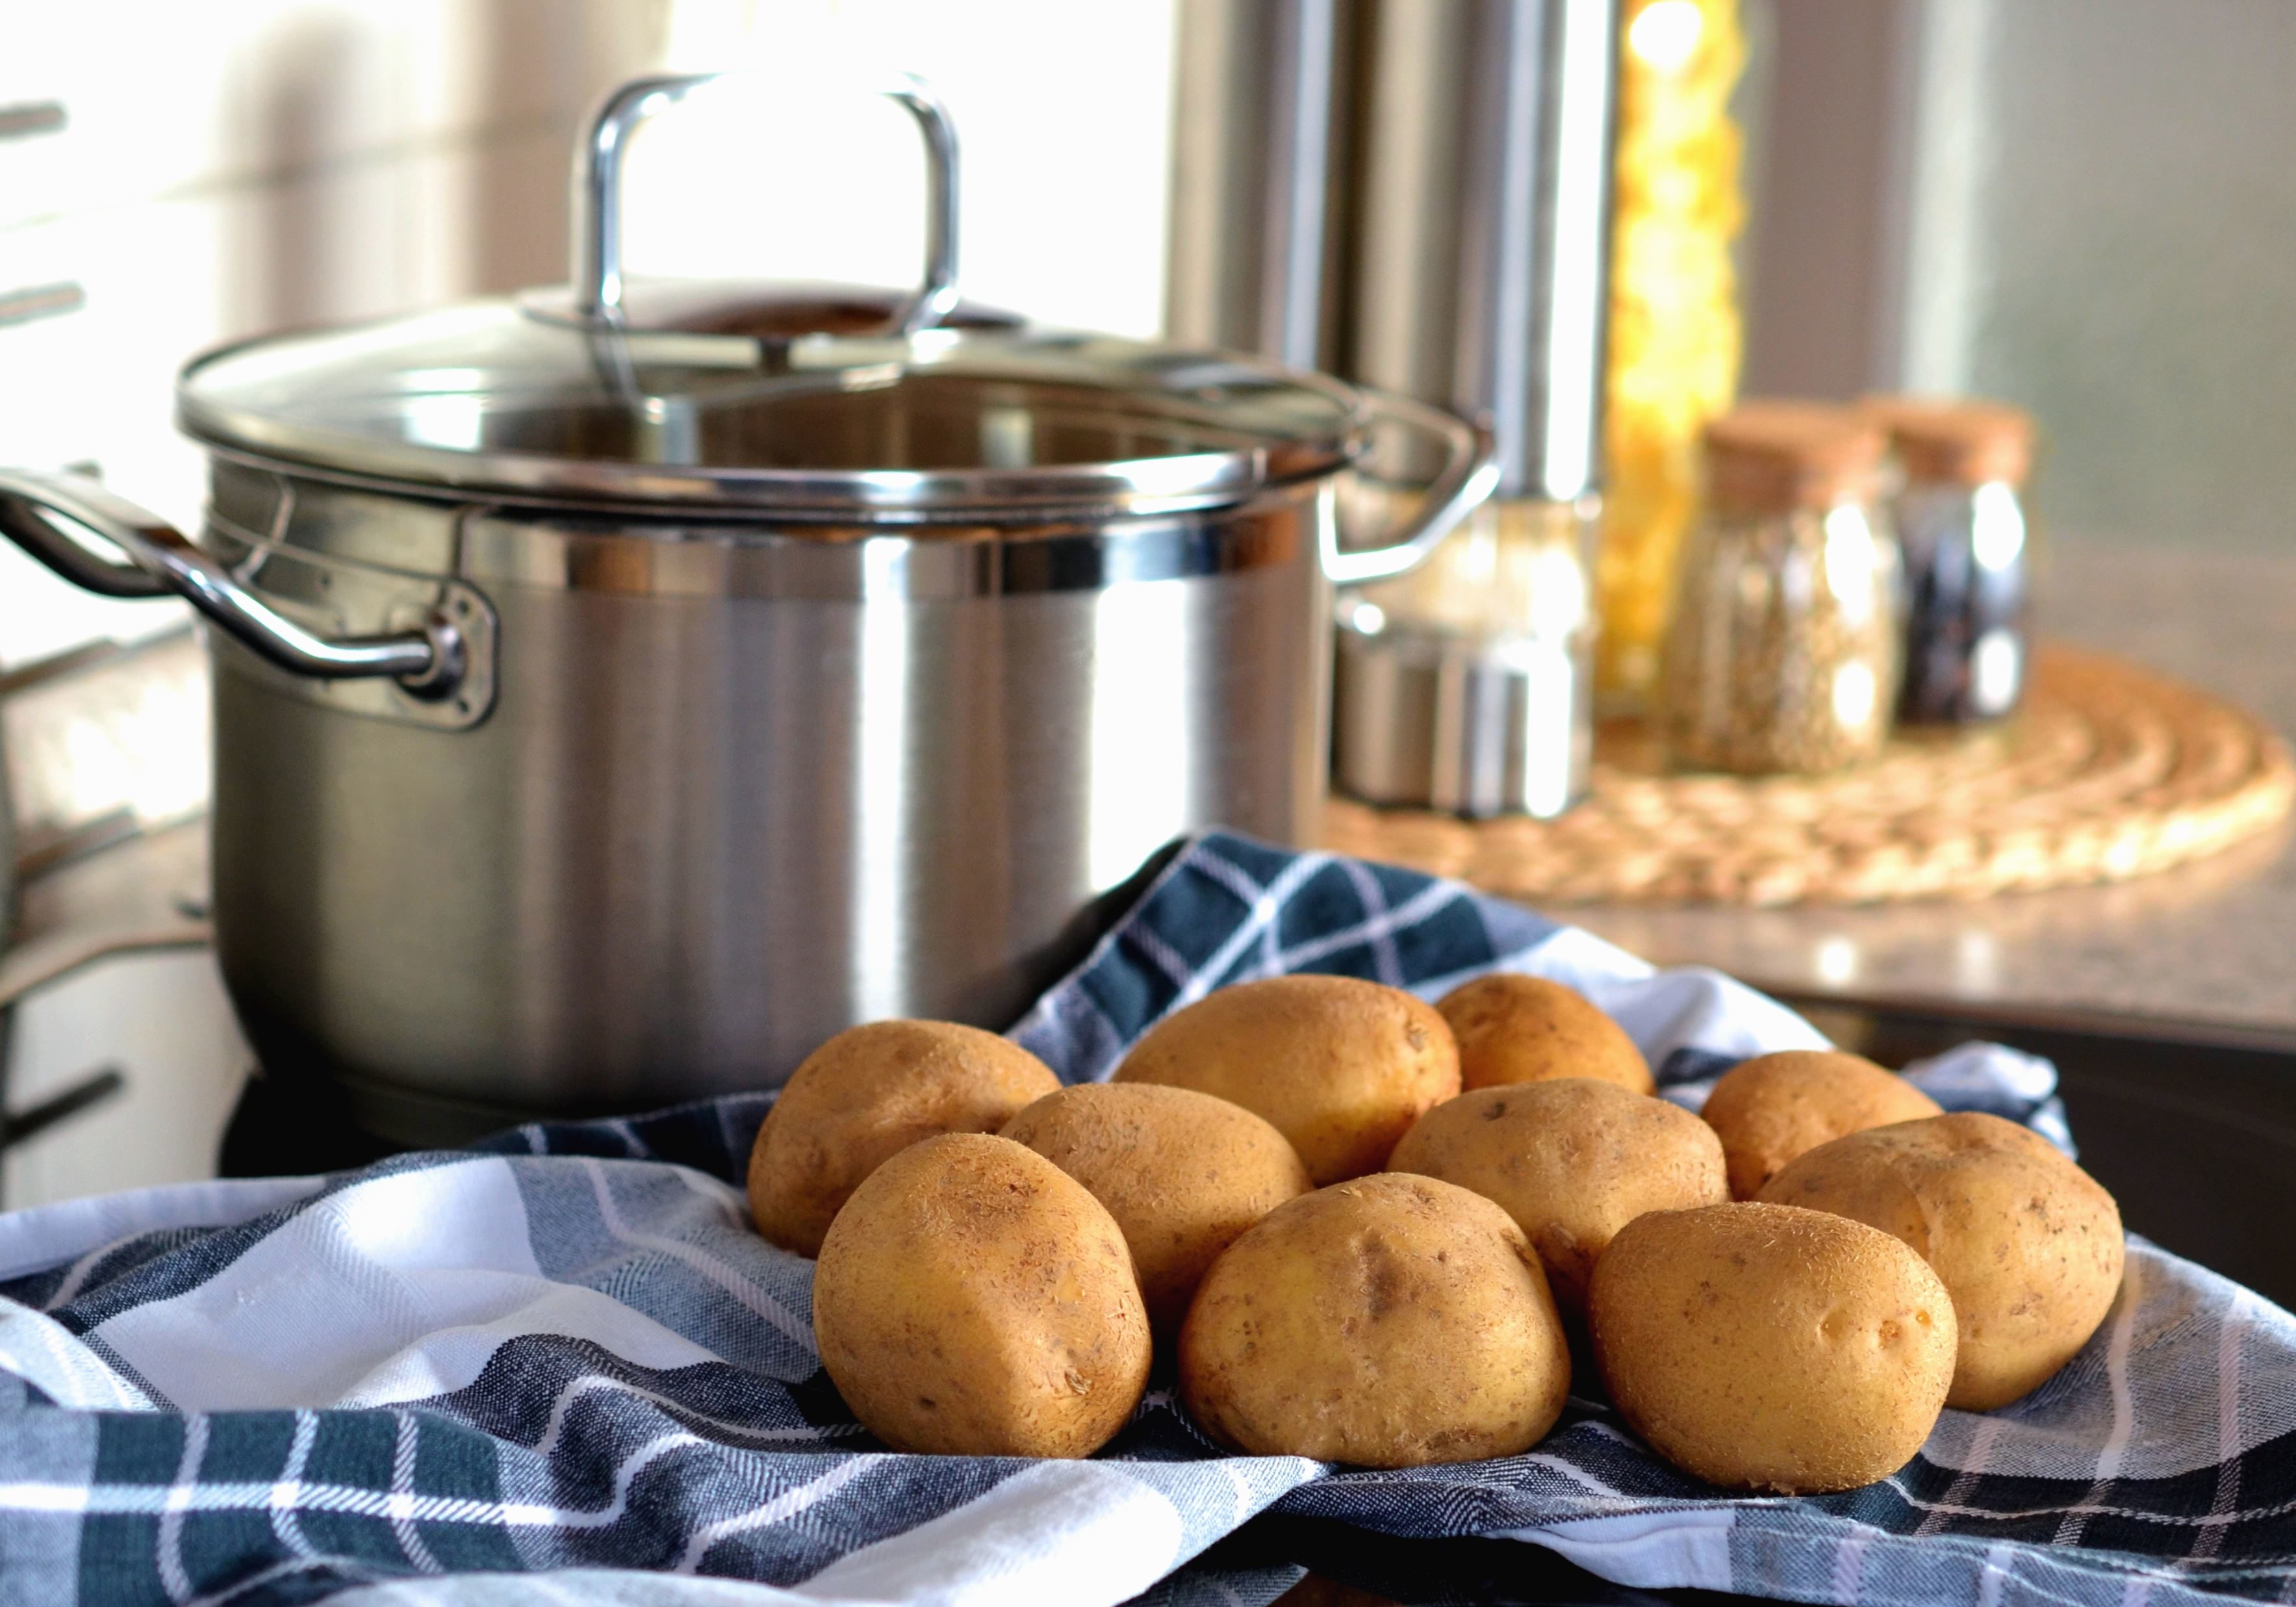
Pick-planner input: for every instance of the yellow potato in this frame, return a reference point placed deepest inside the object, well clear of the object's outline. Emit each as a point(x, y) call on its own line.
point(1765, 1347)
point(1525, 1029)
point(2028, 1245)
point(1770, 1109)
point(1572, 1161)
point(1338, 1066)
point(1387, 1321)
point(974, 1299)
point(1183, 1174)
point(865, 1097)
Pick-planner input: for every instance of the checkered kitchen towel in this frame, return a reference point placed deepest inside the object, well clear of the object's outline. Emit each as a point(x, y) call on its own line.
point(428, 1381)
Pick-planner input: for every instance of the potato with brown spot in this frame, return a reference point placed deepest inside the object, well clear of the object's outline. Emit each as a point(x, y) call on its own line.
point(1340, 1066)
point(1767, 1347)
point(974, 1299)
point(865, 1097)
point(1390, 1321)
point(1572, 1161)
point(1183, 1174)
point(1526, 1029)
point(2028, 1245)
point(1771, 1108)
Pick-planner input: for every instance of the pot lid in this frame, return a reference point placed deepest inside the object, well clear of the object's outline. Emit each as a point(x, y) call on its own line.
point(727, 411)
point(799, 401)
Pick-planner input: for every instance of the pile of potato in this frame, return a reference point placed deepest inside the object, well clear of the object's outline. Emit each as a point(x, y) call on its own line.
point(1375, 1232)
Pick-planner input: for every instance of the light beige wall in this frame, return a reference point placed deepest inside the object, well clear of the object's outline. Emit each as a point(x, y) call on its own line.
point(2087, 207)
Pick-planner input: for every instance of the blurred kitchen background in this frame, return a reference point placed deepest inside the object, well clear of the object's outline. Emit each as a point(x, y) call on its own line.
point(2082, 207)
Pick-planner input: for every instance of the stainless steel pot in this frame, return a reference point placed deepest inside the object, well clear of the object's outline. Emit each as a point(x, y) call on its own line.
point(619, 689)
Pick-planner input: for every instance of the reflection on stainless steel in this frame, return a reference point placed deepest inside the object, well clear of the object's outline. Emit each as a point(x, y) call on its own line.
point(428, 661)
point(1470, 233)
point(596, 212)
point(883, 787)
point(1252, 177)
point(1483, 233)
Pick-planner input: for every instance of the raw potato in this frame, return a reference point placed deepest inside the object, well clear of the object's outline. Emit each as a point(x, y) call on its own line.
point(1572, 1161)
point(865, 1097)
point(1340, 1066)
point(1526, 1029)
point(1387, 1321)
point(1765, 1347)
point(974, 1299)
point(2028, 1245)
point(1770, 1109)
point(1183, 1174)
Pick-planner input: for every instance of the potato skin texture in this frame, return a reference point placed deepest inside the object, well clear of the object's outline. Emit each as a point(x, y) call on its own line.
point(2028, 1245)
point(974, 1299)
point(1572, 1161)
point(1771, 1108)
point(1765, 1347)
point(865, 1097)
point(1389, 1322)
point(1525, 1029)
point(1183, 1173)
point(1340, 1066)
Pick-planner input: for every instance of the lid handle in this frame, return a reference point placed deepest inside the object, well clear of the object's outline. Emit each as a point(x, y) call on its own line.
point(597, 209)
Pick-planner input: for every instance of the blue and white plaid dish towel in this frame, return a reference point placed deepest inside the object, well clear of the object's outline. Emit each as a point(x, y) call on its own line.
point(513, 1375)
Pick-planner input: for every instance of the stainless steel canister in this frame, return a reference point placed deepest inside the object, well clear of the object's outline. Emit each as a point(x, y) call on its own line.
point(619, 689)
point(1416, 194)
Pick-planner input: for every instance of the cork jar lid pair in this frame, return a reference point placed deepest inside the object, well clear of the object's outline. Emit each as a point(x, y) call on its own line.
point(1776, 457)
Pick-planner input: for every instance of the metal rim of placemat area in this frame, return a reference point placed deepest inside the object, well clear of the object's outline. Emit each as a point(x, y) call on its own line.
point(2111, 771)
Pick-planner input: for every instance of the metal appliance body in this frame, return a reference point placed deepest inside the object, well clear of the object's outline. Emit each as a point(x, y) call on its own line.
point(739, 788)
point(1415, 195)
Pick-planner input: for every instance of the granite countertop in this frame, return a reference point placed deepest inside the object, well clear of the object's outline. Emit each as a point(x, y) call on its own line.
point(2208, 949)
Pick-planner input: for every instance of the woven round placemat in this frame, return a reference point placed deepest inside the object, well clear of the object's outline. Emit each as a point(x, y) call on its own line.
point(2111, 771)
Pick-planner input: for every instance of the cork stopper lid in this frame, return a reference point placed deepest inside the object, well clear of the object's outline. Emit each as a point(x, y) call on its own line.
point(1956, 443)
point(1773, 457)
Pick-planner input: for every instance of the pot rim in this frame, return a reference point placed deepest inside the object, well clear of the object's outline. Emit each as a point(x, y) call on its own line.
point(1050, 369)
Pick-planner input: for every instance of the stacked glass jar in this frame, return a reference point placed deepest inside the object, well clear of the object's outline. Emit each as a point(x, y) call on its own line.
point(1782, 652)
point(1962, 523)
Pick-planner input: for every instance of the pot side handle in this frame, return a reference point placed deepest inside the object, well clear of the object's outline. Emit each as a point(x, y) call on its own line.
point(1471, 471)
point(430, 663)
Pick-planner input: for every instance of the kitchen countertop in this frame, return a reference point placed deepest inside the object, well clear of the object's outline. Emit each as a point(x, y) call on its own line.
point(2207, 950)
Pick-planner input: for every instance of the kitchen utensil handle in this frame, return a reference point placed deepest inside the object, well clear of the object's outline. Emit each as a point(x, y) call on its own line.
point(597, 201)
point(429, 663)
point(1470, 470)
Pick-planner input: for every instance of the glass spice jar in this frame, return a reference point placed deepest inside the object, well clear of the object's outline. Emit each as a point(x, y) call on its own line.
point(1960, 517)
point(1781, 652)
